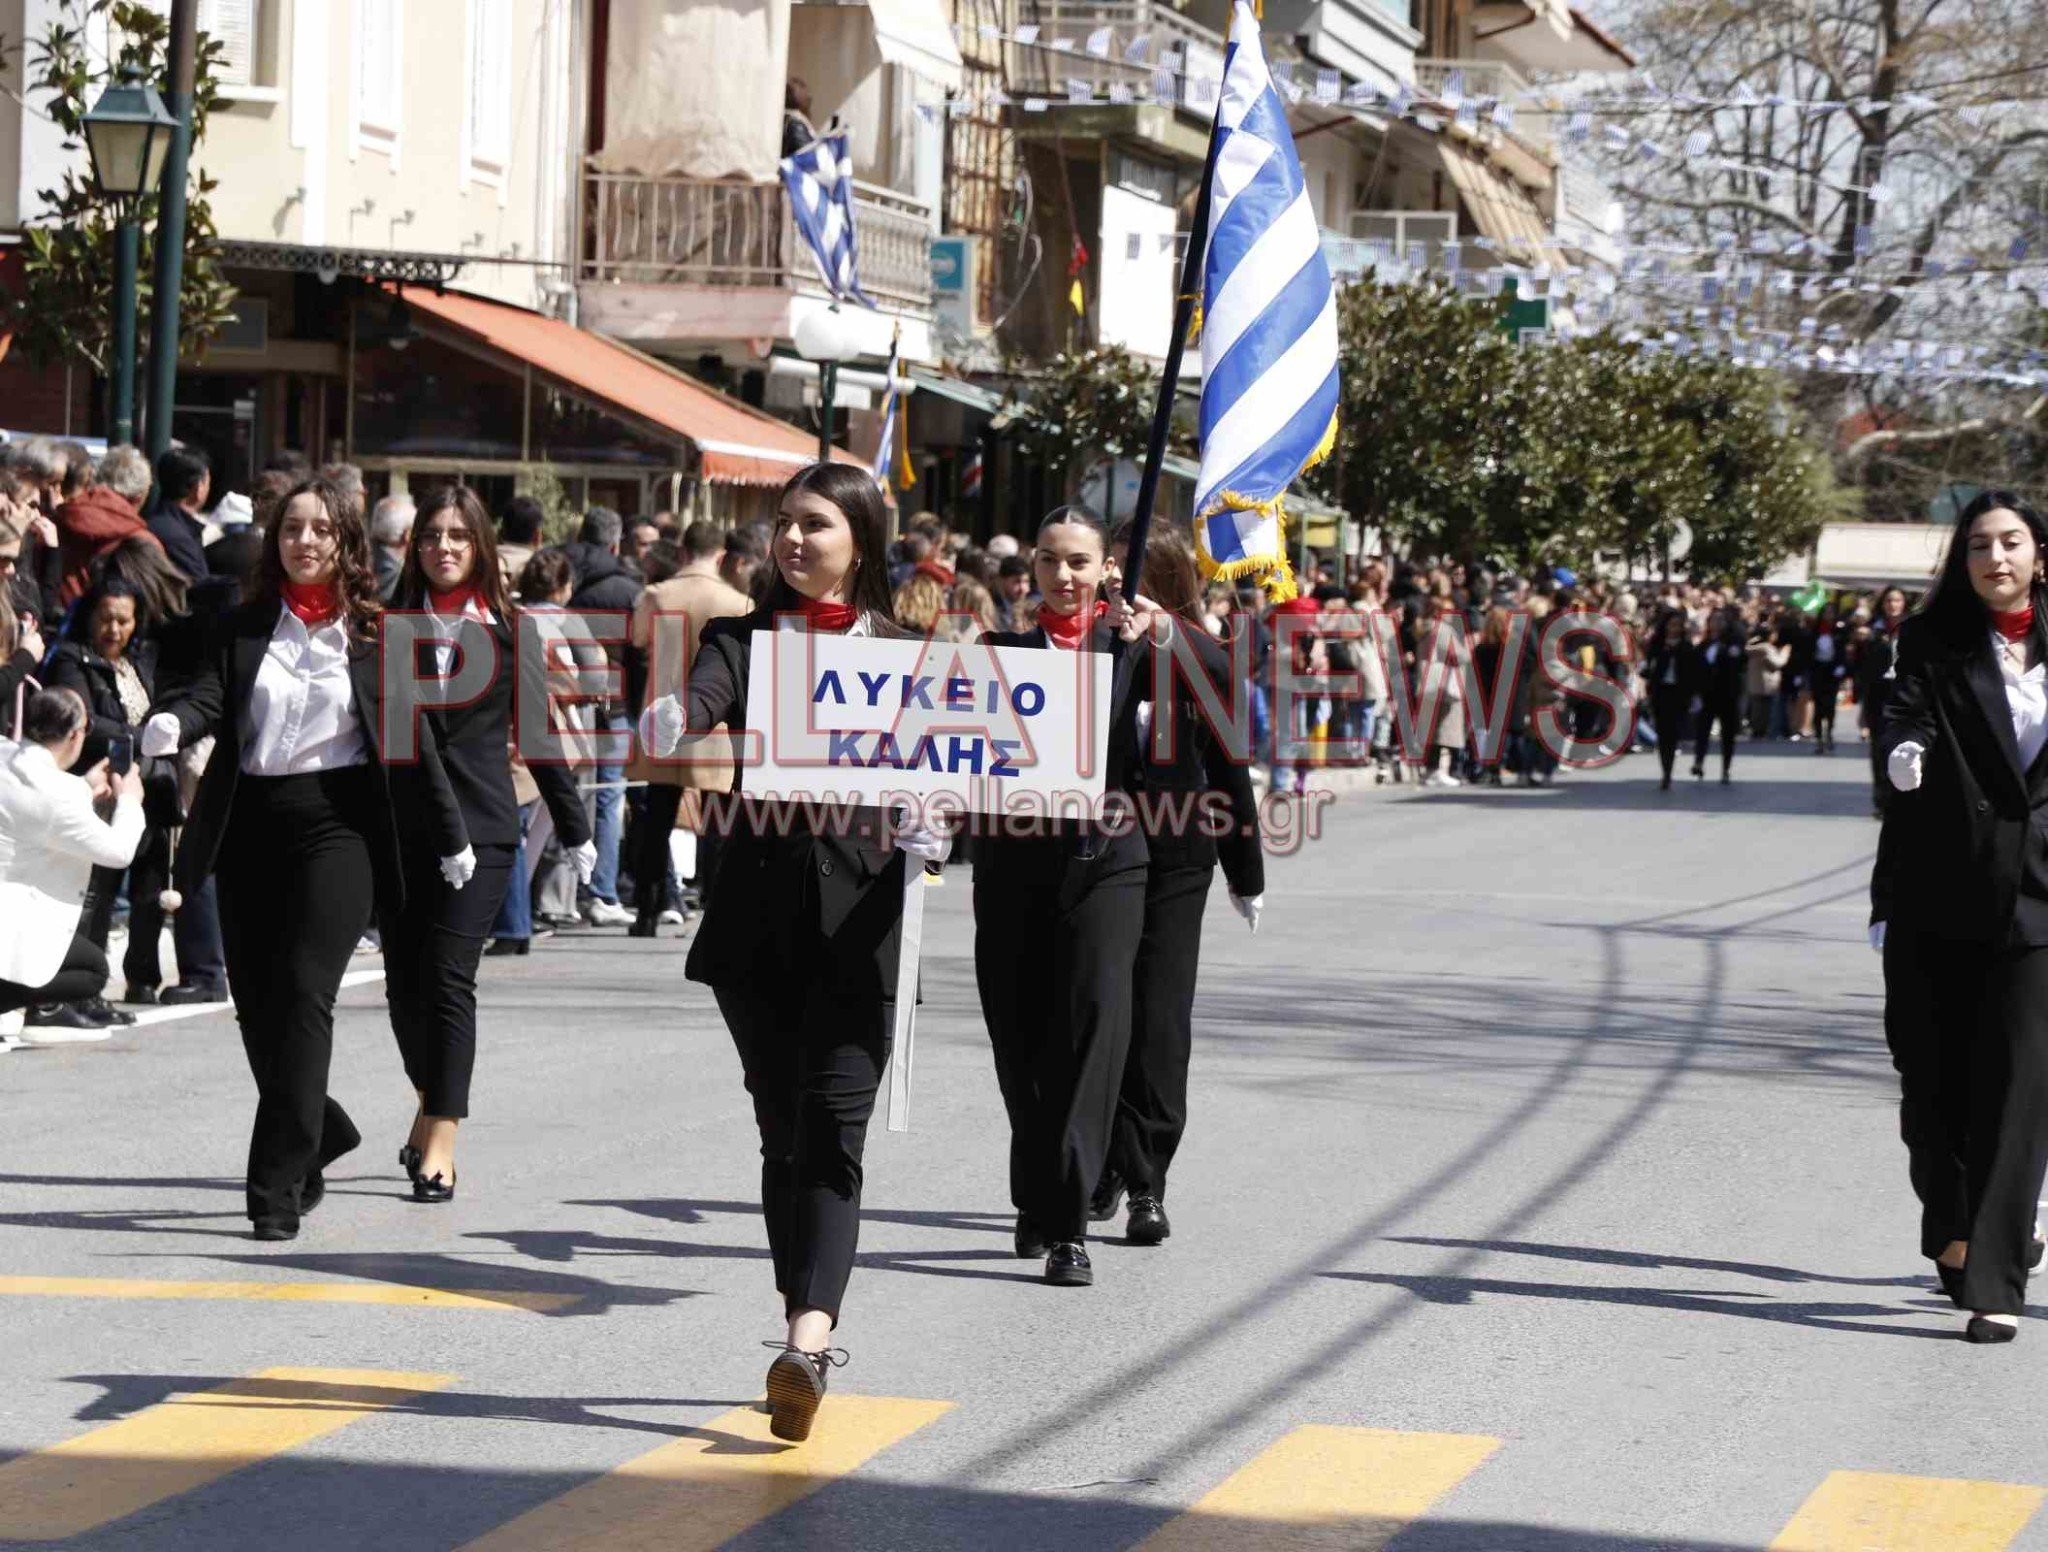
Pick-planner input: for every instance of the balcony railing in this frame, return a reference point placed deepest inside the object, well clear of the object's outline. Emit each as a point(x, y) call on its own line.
point(1393, 245)
point(1135, 39)
point(736, 232)
point(1475, 79)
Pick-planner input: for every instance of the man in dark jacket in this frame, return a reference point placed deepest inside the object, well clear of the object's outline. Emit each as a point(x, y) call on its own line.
point(184, 479)
point(605, 584)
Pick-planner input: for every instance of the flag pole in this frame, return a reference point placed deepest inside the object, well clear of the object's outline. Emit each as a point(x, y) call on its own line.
point(1169, 382)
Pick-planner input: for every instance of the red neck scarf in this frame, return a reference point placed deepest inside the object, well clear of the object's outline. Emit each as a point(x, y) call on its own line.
point(1071, 630)
point(466, 600)
point(315, 603)
point(831, 618)
point(2013, 624)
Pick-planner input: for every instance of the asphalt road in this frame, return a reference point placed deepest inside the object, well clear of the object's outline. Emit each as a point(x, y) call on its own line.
point(1542, 1192)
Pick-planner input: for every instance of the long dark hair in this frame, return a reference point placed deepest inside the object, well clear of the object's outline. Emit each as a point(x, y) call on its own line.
point(859, 499)
point(485, 574)
point(354, 575)
point(1952, 606)
point(79, 627)
point(141, 560)
point(1171, 578)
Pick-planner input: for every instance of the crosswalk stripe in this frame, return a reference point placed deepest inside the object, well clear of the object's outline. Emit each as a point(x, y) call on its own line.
point(187, 1442)
point(701, 1491)
point(1862, 1511)
point(292, 1293)
point(1325, 1486)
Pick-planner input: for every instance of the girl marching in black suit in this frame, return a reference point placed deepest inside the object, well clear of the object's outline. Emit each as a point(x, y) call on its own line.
point(433, 942)
point(1183, 850)
point(1960, 897)
point(1058, 914)
point(1671, 668)
point(1723, 669)
point(295, 815)
point(801, 930)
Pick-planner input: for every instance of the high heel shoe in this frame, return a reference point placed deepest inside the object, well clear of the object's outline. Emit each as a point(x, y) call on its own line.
point(431, 1188)
point(796, 1386)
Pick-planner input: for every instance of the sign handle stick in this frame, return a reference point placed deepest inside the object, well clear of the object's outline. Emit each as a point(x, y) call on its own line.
point(904, 1040)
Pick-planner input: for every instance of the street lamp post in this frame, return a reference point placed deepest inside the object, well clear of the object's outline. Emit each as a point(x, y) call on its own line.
point(826, 338)
point(127, 136)
point(169, 280)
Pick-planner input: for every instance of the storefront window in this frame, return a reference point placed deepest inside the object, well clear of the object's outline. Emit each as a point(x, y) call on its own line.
point(432, 401)
point(568, 429)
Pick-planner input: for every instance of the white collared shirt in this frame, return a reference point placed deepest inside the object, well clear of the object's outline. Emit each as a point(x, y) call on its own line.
point(2026, 697)
point(302, 710)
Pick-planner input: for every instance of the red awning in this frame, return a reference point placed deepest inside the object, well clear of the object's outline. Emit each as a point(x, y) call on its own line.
point(736, 443)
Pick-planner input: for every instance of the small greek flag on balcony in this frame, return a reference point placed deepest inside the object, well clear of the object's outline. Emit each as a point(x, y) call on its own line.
point(1269, 329)
point(820, 183)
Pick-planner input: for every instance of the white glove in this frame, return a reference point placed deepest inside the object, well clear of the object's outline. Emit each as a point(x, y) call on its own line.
point(159, 736)
point(585, 858)
point(661, 726)
point(922, 841)
point(1877, 936)
point(459, 868)
point(1249, 906)
point(1904, 766)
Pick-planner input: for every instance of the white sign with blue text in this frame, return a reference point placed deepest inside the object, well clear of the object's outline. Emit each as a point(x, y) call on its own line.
point(991, 730)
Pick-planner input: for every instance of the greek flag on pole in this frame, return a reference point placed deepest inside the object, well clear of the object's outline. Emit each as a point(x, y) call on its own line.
point(1269, 329)
point(820, 183)
point(885, 451)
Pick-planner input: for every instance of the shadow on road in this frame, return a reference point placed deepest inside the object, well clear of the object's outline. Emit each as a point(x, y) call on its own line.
point(1592, 1256)
point(566, 1294)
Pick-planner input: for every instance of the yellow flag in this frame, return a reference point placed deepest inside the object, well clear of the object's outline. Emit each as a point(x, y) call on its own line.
point(1075, 296)
point(906, 476)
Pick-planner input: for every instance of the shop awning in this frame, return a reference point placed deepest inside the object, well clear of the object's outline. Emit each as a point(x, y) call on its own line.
point(1878, 554)
point(1499, 206)
point(736, 444)
point(916, 35)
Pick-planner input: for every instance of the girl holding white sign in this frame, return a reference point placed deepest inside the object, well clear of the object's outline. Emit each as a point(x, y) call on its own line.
point(1058, 912)
point(801, 930)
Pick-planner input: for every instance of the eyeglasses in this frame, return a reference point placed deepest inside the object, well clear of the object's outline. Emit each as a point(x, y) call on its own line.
point(453, 538)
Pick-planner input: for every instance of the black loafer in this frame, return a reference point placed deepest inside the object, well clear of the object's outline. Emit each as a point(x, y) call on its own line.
point(432, 1188)
point(645, 927)
point(105, 1011)
point(275, 1228)
point(1031, 1244)
point(503, 946)
point(1068, 1266)
point(1984, 1331)
point(796, 1387)
point(1147, 1224)
point(139, 996)
point(1108, 1197)
point(186, 993)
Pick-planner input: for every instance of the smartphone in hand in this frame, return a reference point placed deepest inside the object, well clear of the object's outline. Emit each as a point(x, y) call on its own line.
point(120, 755)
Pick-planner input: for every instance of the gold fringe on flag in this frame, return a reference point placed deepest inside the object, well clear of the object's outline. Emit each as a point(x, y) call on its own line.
point(1275, 575)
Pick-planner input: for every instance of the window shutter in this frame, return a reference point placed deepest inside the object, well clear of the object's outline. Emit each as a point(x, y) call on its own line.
point(232, 24)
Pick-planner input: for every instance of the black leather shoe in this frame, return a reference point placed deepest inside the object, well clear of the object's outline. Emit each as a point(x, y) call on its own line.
point(500, 947)
point(1984, 1331)
point(1068, 1265)
point(645, 927)
point(139, 996)
point(796, 1386)
point(62, 1015)
point(1147, 1224)
point(105, 1011)
point(188, 992)
point(1108, 1197)
point(409, 1161)
point(432, 1188)
point(312, 1192)
point(1030, 1243)
point(275, 1228)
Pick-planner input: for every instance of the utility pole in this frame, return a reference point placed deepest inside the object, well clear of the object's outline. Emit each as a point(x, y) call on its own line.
point(170, 228)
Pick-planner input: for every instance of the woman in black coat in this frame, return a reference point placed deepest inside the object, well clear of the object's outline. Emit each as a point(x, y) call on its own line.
point(1196, 808)
point(453, 596)
point(296, 816)
point(1671, 670)
point(1723, 670)
point(1059, 909)
point(801, 929)
point(1960, 897)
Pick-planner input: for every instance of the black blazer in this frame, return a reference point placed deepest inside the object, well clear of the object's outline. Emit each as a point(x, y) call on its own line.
point(789, 904)
point(216, 701)
point(475, 750)
point(1965, 855)
point(1690, 679)
point(1200, 764)
point(75, 666)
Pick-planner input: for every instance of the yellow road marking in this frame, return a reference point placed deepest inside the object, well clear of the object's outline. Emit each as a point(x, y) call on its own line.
point(1319, 1486)
point(185, 1443)
point(701, 1491)
point(290, 1293)
point(1861, 1511)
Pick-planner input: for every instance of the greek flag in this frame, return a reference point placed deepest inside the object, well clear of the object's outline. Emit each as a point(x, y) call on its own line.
point(820, 183)
point(887, 460)
point(1269, 328)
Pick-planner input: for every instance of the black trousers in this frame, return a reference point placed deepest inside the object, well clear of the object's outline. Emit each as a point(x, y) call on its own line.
point(83, 974)
point(1825, 689)
point(1152, 1105)
point(1671, 711)
point(1055, 978)
point(1967, 1024)
point(651, 834)
point(432, 947)
point(813, 1060)
point(149, 874)
point(1711, 712)
point(296, 892)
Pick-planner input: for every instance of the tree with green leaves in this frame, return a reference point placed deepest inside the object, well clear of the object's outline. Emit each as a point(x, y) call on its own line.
point(63, 311)
point(1083, 405)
